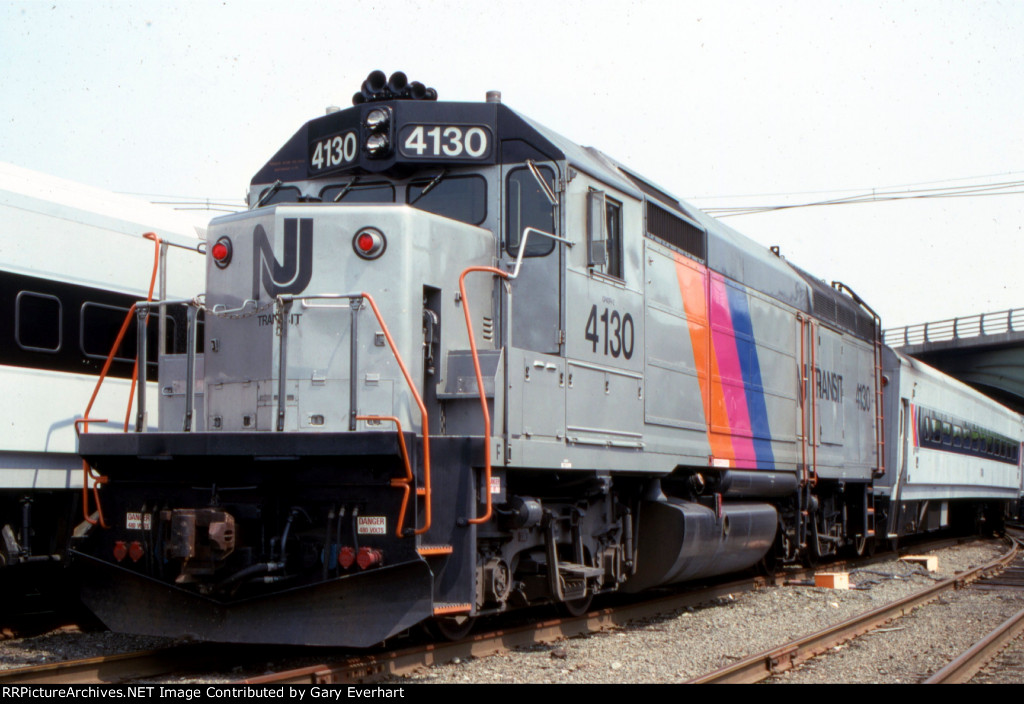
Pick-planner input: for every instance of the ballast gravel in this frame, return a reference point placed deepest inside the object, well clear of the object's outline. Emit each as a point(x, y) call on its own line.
point(680, 646)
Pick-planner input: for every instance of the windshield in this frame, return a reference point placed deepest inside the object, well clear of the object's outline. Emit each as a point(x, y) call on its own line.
point(460, 197)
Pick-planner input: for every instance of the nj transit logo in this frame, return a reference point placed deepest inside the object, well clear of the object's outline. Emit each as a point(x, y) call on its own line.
point(292, 275)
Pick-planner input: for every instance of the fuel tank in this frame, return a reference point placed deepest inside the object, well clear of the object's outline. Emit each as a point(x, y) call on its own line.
point(682, 540)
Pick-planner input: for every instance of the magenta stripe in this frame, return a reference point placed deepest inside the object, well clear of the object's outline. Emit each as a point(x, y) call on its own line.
point(724, 344)
point(913, 424)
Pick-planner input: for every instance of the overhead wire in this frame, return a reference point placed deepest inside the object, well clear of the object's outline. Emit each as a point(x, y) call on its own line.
point(222, 205)
point(846, 190)
point(880, 196)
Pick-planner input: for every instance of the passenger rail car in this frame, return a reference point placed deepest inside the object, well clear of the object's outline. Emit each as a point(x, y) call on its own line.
point(456, 363)
point(72, 262)
point(957, 461)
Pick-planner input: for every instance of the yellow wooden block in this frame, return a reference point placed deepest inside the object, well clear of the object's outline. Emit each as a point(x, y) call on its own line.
point(832, 580)
point(930, 562)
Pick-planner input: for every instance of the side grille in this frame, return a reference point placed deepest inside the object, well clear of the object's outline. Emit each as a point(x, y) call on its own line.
point(676, 231)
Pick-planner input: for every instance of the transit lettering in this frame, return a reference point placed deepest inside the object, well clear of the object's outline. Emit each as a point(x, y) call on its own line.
point(829, 385)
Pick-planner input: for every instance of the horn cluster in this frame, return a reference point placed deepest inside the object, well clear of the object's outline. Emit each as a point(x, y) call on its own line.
point(378, 87)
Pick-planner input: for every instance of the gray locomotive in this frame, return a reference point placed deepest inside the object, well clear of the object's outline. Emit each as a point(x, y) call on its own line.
point(453, 363)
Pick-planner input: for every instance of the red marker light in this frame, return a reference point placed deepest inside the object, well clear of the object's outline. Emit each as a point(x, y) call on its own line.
point(364, 242)
point(369, 243)
point(221, 252)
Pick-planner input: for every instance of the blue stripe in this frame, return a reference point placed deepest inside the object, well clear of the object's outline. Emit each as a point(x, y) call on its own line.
point(751, 370)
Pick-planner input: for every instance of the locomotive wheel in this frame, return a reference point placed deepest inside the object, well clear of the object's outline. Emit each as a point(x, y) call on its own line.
point(450, 628)
point(577, 607)
point(811, 556)
point(864, 545)
point(772, 559)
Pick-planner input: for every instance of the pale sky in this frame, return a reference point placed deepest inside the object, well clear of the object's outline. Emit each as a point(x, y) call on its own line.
point(821, 99)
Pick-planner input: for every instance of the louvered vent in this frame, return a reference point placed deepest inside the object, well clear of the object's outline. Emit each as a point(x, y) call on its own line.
point(675, 231)
point(824, 307)
point(846, 318)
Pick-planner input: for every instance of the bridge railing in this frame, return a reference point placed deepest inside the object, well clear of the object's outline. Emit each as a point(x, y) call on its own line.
point(1003, 321)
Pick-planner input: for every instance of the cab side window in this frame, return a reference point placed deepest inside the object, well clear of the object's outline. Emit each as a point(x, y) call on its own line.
point(526, 205)
point(604, 234)
point(613, 226)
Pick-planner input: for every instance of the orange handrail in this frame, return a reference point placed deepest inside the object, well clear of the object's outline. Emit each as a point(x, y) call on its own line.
point(419, 404)
point(814, 407)
point(149, 297)
point(87, 471)
point(804, 382)
point(480, 385)
point(403, 482)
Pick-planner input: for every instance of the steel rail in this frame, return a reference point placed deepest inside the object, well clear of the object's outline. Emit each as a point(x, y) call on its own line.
point(371, 668)
point(770, 662)
point(964, 667)
point(111, 668)
point(967, 664)
point(368, 668)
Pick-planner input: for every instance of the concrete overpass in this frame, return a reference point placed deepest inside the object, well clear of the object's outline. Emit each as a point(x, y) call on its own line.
point(985, 351)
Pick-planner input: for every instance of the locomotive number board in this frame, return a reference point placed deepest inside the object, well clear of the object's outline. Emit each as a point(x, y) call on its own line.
point(333, 151)
point(472, 142)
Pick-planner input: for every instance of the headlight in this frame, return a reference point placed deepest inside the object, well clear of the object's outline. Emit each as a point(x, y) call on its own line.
point(377, 120)
point(377, 144)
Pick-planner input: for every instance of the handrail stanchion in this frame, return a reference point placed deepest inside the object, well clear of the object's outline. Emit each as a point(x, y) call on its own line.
point(476, 359)
point(142, 314)
point(284, 304)
point(353, 387)
point(191, 314)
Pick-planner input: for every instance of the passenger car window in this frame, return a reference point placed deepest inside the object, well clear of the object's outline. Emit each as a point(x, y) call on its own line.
point(100, 323)
point(38, 320)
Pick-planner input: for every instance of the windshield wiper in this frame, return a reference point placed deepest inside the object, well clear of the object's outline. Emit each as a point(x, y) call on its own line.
point(269, 193)
point(344, 191)
point(430, 186)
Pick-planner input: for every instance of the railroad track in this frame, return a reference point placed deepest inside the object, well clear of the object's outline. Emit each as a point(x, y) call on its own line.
point(364, 668)
point(772, 662)
point(145, 665)
point(108, 668)
point(967, 665)
point(141, 665)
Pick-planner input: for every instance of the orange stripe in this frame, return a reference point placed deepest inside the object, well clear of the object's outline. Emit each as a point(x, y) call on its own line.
point(693, 287)
point(427, 550)
point(443, 609)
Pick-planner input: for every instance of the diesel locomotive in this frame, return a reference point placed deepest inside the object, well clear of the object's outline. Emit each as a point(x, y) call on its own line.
point(453, 364)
